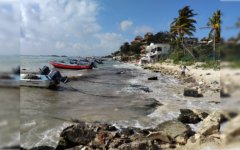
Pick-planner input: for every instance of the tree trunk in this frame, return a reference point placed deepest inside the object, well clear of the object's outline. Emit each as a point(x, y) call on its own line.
point(214, 46)
point(183, 48)
point(188, 51)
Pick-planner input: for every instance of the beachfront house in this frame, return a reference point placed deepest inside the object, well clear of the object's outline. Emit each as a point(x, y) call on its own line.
point(155, 50)
point(205, 41)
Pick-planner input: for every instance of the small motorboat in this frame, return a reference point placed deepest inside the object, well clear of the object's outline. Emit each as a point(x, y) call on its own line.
point(10, 79)
point(81, 62)
point(52, 79)
point(89, 65)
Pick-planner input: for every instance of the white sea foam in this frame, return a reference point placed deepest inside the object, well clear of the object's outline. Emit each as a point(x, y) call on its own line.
point(31, 123)
point(127, 66)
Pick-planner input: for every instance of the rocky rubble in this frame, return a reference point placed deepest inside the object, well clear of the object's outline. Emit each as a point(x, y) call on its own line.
point(189, 81)
point(167, 134)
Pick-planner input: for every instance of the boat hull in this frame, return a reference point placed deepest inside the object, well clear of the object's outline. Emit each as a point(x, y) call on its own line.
point(65, 66)
point(43, 82)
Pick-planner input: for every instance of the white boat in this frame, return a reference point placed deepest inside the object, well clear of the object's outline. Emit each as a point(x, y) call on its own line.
point(52, 79)
point(36, 80)
point(9, 80)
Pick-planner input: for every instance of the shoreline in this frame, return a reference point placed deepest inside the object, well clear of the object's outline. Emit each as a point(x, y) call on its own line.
point(143, 137)
point(206, 81)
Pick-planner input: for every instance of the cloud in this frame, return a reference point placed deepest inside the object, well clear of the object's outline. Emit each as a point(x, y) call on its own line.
point(51, 27)
point(125, 24)
point(109, 43)
point(59, 45)
point(9, 27)
point(143, 29)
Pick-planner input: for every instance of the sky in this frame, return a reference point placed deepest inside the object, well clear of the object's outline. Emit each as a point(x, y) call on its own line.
point(96, 27)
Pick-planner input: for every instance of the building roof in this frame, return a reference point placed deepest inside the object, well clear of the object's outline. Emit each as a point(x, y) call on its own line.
point(232, 39)
point(138, 38)
point(205, 39)
point(148, 33)
point(144, 39)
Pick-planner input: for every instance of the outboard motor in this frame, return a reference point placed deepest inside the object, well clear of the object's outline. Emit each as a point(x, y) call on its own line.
point(57, 77)
point(45, 70)
point(93, 65)
point(17, 70)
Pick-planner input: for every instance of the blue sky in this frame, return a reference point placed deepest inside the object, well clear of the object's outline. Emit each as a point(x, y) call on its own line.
point(86, 27)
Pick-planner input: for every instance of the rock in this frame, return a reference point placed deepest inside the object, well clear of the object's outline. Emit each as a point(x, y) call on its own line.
point(153, 78)
point(200, 83)
point(189, 80)
point(190, 92)
point(138, 145)
point(231, 132)
point(187, 116)
point(42, 148)
point(159, 135)
point(211, 124)
point(201, 114)
point(186, 111)
point(86, 148)
point(227, 115)
point(208, 73)
point(143, 132)
point(156, 71)
point(76, 148)
point(203, 143)
point(141, 87)
point(127, 131)
point(65, 144)
point(83, 133)
point(181, 139)
point(173, 129)
point(153, 103)
point(214, 82)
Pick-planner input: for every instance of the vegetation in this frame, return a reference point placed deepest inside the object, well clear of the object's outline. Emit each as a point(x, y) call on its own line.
point(187, 58)
point(214, 24)
point(184, 25)
point(137, 56)
point(160, 37)
point(115, 53)
point(176, 56)
point(135, 48)
point(210, 64)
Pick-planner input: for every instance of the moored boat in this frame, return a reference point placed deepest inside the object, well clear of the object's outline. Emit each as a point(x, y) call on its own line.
point(80, 62)
point(89, 65)
point(52, 79)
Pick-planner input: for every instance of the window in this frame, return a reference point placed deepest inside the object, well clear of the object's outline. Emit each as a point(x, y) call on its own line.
point(159, 49)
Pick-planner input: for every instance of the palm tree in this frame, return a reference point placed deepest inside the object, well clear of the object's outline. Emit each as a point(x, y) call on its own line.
point(214, 24)
point(183, 25)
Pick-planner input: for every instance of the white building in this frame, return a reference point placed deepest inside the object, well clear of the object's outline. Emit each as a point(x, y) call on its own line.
point(155, 51)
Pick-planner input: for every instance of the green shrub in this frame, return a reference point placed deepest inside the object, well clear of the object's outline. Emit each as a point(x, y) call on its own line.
point(176, 56)
point(187, 58)
point(202, 59)
point(210, 64)
point(176, 61)
point(137, 56)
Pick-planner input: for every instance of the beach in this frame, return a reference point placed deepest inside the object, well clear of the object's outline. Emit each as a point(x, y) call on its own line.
point(115, 93)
